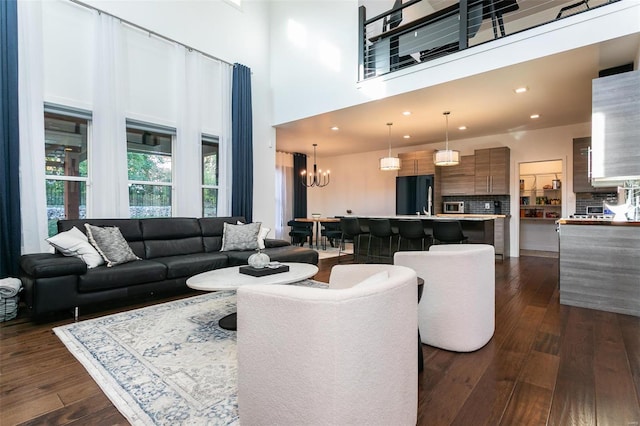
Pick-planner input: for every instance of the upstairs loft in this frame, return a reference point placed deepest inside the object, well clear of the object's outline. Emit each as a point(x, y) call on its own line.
point(421, 30)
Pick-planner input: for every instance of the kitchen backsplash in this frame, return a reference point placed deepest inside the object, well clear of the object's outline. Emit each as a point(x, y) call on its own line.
point(584, 199)
point(475, 204)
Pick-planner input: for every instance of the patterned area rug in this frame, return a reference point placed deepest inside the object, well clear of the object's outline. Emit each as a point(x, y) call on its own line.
point(168, 364)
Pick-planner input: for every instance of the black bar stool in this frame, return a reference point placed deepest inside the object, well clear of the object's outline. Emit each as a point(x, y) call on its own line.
point(381, 229)
point(411, 230)
point(350, 227)
point(448, 232)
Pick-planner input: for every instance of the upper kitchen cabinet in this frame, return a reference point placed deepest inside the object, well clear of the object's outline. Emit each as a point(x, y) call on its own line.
point(416, 163)
point(492, 171)
point(615, 129)
point(582, 168)
point(460, 179)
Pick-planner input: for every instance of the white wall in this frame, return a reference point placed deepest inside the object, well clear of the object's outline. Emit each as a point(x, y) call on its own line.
point(314, 53)
point(359, 185)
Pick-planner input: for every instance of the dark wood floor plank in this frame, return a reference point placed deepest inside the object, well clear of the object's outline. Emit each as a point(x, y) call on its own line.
point(630, 329)
point(540, 369)
point(48, 361)
point(440, 405)
point(529, 405)
point(78, 411)
point(574, 398)
point(16, 392)
point(544, 358)
point(107, 416)
point(616, 402)
point(29, 409)
point(487, 402)
point(552, 322)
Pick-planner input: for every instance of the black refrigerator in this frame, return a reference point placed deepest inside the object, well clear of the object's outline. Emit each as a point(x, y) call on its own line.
point(414, 194)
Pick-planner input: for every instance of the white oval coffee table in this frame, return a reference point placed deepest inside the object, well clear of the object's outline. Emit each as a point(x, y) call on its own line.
point(231, 278)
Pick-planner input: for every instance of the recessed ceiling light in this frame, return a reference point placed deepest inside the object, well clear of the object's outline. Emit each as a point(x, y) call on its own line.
point(534, 116)
point(334, 128)
point(462, 128)
point(521, 89)
point(407, 136)
point(406, 113)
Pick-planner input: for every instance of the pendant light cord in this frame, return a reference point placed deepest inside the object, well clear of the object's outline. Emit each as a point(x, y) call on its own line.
point(446, 133)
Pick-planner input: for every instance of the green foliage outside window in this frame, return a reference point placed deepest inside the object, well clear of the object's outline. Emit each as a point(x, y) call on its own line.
point(149, 167)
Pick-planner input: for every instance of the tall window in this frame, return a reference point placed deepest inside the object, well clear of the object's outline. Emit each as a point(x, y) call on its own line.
point(66, 167)
point(150, 172)
point(210, 182)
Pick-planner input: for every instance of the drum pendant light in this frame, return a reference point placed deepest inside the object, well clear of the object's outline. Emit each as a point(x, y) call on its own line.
point(446, 157)
point(390, 163)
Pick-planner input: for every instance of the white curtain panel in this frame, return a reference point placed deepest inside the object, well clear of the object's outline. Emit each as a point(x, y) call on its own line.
point(188, 149)
point(109, 195)
point(33, 202)
point(224, 174)
point(284, 193)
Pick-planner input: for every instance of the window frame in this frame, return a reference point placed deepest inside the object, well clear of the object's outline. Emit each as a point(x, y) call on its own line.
point(165, 131)
point(209, 140)
point(63, 111)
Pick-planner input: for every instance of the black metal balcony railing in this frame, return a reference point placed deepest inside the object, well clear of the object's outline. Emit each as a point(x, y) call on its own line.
point(412, 33)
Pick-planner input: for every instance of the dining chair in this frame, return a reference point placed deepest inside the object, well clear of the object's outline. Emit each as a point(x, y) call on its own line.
point(330, 231)
point(301, 232)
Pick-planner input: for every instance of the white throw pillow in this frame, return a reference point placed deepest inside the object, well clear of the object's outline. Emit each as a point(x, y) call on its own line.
point(264, 231)
point(74, 243)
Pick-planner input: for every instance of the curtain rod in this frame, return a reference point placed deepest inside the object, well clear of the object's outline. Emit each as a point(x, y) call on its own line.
point(155, 34)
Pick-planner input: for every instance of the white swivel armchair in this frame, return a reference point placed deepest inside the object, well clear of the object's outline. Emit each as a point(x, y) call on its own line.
point(339, 356)
point(457, 308)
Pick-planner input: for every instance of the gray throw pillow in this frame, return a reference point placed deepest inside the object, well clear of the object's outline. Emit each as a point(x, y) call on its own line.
point(240, 237)
point(110, 244)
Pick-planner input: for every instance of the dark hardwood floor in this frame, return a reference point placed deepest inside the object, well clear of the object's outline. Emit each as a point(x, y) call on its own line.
point(546, 364)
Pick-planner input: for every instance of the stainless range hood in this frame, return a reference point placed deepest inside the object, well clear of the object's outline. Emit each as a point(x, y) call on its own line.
point(615, 129)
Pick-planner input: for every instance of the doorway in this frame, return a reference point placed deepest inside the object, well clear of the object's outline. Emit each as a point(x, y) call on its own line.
point(541, 205)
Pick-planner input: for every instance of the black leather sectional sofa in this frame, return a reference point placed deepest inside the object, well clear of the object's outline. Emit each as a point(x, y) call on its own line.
point(171, 249)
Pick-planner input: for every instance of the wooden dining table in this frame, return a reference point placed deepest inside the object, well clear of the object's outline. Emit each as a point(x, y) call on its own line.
point(317, 221)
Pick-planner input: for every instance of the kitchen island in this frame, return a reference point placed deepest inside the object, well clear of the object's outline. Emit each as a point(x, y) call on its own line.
point(600, 264)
